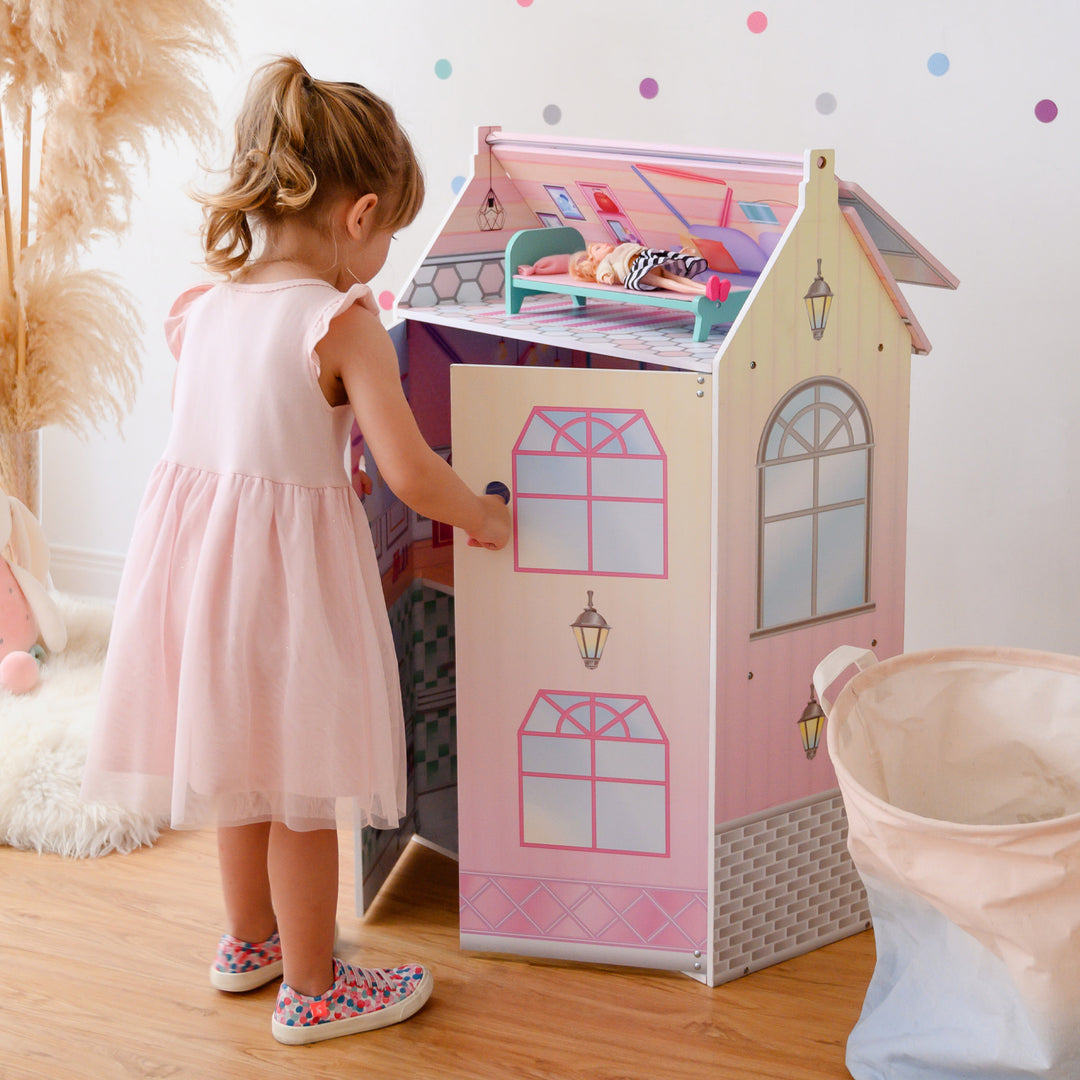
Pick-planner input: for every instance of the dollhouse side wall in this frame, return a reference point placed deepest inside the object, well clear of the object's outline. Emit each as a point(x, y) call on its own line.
point(770, 799)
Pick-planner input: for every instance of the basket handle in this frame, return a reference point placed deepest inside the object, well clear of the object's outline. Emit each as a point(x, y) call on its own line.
point(827, 672)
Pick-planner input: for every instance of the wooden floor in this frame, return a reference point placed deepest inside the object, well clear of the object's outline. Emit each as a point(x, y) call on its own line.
point(103, 969)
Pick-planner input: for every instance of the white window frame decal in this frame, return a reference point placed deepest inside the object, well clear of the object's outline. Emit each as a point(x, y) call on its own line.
point(815, 470)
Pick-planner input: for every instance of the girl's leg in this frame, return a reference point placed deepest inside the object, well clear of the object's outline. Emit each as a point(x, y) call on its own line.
point(303, 869)
point(249, 912)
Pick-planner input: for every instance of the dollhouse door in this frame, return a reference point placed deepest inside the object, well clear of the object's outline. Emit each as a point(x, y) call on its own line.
point(583, 791)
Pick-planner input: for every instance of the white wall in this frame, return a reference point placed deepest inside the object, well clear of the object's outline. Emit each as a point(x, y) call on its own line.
point(959, 158)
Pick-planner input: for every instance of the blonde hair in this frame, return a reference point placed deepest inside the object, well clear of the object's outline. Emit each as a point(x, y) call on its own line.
point(300, 142)
point(582, 266)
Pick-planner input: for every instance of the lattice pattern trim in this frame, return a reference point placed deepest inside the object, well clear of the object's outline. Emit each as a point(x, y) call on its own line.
point(584, 911)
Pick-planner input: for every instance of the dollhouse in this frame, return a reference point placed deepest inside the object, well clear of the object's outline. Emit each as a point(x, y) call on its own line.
point(707, 498)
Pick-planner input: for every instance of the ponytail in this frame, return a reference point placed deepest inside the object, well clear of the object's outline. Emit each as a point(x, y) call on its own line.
point(298, 142)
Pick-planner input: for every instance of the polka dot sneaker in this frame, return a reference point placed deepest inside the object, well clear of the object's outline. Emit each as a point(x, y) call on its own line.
point(361, 999)
point(241, 965)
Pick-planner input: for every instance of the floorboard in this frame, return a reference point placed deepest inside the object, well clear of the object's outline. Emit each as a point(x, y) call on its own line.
point(103, 965)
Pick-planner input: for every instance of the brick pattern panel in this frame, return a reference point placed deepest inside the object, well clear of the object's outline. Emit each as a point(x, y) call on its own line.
point(785, 884)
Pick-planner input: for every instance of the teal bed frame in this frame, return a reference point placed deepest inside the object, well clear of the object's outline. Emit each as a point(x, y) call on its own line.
point(528, 245)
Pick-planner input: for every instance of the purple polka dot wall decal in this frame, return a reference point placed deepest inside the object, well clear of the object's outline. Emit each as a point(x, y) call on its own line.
point(756, 22)
point(649, 88)
point(938, 64)
point(825, 103)
point(1045, 111)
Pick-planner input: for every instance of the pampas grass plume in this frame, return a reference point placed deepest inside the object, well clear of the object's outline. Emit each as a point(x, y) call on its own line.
point(102, 80)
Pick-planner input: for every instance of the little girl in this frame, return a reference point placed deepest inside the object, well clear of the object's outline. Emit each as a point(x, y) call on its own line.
point(251, 681)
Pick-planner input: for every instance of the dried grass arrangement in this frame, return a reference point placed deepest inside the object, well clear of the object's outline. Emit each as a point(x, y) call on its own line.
point(85, 86)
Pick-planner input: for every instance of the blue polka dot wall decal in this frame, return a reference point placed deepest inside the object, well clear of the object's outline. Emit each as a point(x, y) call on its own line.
point(443, 68)
point(938, 64)
point(457, 184)
point(1045, 111)
point(649, 88)
point(825, 103)
point(552, 114)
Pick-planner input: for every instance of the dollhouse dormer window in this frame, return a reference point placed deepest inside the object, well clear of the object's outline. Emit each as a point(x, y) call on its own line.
point(814, 466)
point(594, 774)
point(590, 494)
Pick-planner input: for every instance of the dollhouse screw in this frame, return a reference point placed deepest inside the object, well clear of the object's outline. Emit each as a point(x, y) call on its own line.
point(700, 379)
point(701, 393)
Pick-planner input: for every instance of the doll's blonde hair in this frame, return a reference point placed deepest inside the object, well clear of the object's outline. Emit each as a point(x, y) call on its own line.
point(582, 266)
point(300, 142)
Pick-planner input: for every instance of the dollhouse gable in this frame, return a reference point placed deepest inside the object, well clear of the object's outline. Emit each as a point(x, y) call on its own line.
point(735, 208)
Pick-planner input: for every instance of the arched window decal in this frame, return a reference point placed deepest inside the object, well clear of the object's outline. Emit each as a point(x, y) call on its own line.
point(594, 774)
point(814, 485)
point(590, 494)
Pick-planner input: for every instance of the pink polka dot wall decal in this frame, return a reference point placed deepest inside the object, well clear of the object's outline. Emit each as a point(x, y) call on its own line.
point(524, 3)
point(386, 299)
point(1045, 111)
point(649, 88)
point(756, 22)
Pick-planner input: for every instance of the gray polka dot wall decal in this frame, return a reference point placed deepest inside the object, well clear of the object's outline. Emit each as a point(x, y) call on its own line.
point(825, 103)
point(552, 114)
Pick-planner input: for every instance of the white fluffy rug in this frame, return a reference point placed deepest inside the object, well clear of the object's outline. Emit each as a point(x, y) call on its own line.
point(43, 741)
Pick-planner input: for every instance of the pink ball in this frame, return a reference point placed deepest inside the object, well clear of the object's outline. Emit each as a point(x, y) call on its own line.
point(18, 672)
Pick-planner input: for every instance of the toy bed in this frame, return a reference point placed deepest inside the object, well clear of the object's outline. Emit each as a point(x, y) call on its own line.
point(527, 246)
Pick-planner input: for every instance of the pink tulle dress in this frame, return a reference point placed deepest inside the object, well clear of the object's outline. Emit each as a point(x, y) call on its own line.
point(251, 674)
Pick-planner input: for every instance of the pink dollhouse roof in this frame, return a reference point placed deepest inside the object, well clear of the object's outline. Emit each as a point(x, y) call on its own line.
point(734, 205)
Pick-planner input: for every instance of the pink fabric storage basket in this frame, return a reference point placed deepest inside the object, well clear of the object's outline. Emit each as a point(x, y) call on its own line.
point(960, 772)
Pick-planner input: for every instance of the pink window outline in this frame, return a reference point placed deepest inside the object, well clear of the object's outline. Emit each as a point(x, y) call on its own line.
point(591, 434)
point(594, 719)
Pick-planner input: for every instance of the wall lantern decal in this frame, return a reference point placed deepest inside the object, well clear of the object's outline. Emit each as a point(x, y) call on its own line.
point(819, 298)
point(591, 632)
point(810, 724)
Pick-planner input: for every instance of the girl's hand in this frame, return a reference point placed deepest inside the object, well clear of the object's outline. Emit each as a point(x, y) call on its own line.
point(364, 481)
point(495, 531)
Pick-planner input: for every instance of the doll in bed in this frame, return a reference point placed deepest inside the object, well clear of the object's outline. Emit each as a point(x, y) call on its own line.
point(636, 267)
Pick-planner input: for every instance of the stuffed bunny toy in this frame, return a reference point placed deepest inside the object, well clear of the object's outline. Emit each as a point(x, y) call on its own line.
point(27, 612)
